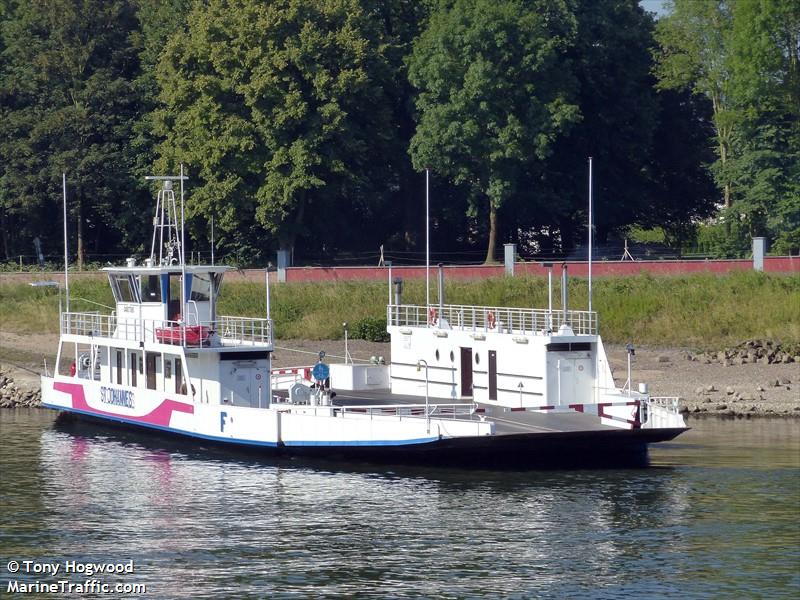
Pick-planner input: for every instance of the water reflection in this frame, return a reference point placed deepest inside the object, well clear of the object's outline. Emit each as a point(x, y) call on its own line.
point(713, 518)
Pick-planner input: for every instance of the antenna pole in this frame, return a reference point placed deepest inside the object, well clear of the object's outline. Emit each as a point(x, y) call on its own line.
point(590, 234)
point(427, 241)
point(183, 257)
point(66, 249)
point(266, 279)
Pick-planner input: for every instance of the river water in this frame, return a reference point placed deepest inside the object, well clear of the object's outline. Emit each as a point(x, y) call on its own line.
point(717, 514)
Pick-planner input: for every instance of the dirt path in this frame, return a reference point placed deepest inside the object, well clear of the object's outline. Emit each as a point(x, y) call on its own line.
point(749, 389)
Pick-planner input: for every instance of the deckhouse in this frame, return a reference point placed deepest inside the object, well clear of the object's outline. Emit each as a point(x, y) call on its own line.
point(164, 333)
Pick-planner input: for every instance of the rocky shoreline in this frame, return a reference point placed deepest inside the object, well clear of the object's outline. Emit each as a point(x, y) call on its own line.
point(13, 395)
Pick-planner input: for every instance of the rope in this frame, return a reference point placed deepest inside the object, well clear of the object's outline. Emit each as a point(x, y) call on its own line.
point(317, 353)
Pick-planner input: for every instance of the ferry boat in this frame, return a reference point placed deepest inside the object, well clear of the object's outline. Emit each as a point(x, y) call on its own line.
point(467, 385)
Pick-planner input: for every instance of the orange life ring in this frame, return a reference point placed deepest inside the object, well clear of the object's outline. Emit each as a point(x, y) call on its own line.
point(433, 316)
point(491, 320)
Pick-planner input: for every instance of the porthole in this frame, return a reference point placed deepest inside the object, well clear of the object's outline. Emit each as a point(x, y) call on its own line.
point(452, 356)
point(437, 355)
point(477, 358)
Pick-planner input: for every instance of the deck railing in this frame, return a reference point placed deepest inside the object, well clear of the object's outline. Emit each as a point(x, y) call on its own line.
point(523, 321)
point(435, 411)
point(668, 403)
point(224, 332)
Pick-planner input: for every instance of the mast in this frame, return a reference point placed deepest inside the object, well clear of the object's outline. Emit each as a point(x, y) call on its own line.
point(427, 241)
point(66, 248)
point(590, 234)
point(182, 254)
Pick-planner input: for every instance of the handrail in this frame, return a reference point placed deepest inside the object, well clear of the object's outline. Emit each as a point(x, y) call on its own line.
point(224, 332)
point(523, 321)
point(411, 410)
point(669, 403)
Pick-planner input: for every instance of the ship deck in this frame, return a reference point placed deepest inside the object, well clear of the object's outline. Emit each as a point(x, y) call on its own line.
point(507, 422)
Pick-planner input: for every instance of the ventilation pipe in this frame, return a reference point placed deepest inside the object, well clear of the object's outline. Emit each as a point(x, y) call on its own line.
point(398, 297)
point(564, 293)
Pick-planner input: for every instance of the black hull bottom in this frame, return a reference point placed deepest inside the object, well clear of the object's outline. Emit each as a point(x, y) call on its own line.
point(551, 450)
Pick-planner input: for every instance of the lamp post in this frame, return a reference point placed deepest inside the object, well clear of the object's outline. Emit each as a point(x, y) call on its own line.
point(427, 413)
point(631, 352)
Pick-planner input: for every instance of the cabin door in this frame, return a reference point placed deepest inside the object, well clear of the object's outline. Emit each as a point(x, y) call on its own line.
point(150, 370)
point(466, 372)
point(492, 374)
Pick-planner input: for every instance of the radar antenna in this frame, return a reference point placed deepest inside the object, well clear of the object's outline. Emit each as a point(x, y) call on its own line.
point(165, 224)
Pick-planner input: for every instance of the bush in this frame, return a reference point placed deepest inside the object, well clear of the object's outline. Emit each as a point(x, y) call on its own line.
point(372, 329)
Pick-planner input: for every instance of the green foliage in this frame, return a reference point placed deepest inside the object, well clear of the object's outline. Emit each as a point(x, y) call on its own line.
point(67, 105)
point(285, 110)
point(743, 56)
point(372, 329)
point(494, 93)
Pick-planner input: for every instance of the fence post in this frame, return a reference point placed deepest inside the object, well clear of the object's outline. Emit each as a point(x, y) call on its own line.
point(759, 247)
point(510, 255)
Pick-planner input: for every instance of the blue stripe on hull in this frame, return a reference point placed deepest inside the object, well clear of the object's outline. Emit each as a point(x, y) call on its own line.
point(365, 443)
point(242, 442)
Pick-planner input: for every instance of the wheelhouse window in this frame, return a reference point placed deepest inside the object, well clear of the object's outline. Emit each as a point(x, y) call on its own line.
point(123, 289)
point(150, 288)
point(201, 287)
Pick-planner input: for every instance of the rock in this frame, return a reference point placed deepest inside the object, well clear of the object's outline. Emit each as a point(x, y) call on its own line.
point(729, 390)
point(721, 407)
point(663, 359)
point(699, 391)
point(759, 389)
point(785, 381)
point(711, 388)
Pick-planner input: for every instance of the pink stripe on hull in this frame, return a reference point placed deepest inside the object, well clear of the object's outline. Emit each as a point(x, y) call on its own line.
point(160, 415)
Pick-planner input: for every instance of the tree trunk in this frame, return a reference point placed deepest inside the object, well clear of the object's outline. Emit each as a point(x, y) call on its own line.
point(4, 233)
point(492, 234)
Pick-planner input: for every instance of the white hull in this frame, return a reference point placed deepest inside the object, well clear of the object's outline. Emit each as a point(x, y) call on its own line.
point(282, 425)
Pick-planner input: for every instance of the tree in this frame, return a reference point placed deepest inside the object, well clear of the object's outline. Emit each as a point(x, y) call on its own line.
point(494, 93)
point(743, 56)
point(693, 54)
point(66, 88)
point(280, 110)
point(765, 72)
point(620, 111)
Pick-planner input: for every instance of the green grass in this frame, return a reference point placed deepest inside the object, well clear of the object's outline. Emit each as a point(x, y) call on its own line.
point(701, 311)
